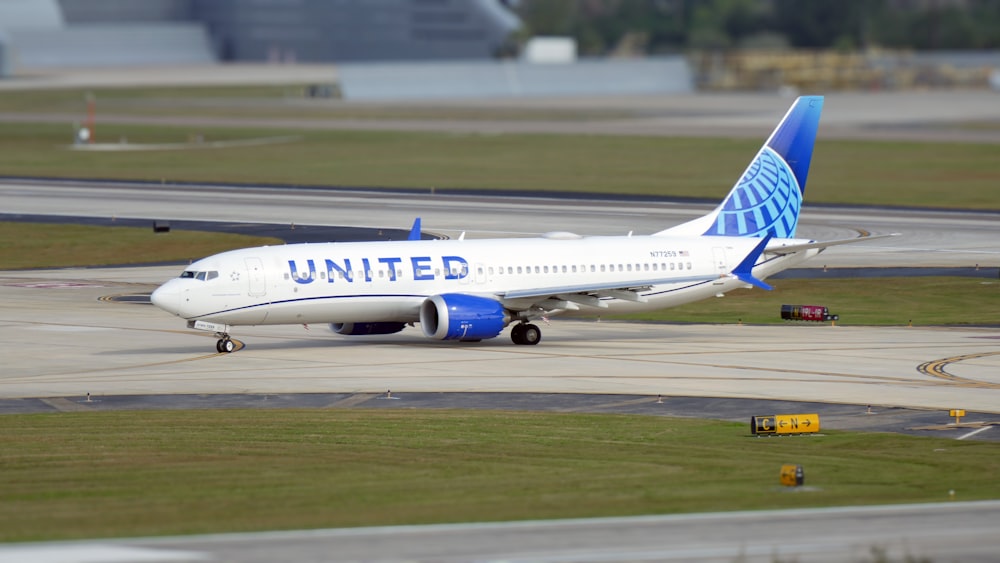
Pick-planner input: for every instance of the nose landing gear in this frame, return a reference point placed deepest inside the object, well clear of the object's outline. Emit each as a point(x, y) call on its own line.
point(225, 344)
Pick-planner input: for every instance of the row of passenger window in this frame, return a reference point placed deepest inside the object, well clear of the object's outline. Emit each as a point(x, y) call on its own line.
point(522, 270)
point(592, 268)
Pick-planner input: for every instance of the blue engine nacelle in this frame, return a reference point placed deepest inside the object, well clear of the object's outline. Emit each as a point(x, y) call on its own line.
point(456, 316)
point(359, 329)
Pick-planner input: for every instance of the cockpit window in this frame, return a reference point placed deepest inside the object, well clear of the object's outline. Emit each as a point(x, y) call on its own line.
point(203, 276)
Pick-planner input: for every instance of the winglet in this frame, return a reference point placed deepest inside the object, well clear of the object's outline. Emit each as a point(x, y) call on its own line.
point(744, 272)
point(415, 230)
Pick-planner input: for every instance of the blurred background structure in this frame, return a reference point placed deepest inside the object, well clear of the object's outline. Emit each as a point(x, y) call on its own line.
point(67, 33)
point(411, 49)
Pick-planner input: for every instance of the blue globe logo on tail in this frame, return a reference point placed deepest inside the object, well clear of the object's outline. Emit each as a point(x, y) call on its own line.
point(766, 200)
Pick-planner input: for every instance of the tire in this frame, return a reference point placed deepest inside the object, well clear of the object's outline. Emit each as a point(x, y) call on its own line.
point(517, 334)
point(532, 335)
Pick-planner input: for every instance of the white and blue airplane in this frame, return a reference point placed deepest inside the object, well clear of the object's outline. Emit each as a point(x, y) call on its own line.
point(470, 290)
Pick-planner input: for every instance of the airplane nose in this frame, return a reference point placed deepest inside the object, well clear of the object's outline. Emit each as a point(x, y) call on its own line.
point(167, 297)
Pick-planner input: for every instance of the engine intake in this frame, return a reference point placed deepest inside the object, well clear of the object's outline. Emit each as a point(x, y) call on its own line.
point(456, 316)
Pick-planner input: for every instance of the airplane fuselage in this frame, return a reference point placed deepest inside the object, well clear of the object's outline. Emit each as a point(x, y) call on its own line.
point(388, 281)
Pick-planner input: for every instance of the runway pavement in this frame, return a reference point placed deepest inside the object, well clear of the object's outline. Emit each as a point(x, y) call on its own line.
point(956, 531)
point(55, 321)
point(63, 337)
point(927, 238)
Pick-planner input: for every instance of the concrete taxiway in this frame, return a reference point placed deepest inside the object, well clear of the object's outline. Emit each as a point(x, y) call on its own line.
point(939, 532)
point(63, 336)
point(926, 238)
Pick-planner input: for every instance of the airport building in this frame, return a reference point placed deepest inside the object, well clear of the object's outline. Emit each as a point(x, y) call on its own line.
point(383, 49)
point(38, 34)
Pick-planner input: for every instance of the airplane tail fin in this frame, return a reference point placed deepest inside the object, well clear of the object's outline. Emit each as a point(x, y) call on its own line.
point(767, 198)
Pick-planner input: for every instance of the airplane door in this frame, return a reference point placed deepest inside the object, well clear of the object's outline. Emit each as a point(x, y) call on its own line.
point(721, 264)
point(255, 271)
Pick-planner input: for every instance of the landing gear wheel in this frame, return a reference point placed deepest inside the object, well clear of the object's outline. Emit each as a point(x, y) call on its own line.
point(525, 334)
point(532, 335)
point(225, 346)
point(517, 334)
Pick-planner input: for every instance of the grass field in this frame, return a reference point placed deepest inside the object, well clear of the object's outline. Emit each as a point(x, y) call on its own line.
point(34, 245)
point(910, 174)
point(74, 475)
point(862, 301)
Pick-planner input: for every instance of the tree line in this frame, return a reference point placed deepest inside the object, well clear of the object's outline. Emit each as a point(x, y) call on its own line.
point(605, 27)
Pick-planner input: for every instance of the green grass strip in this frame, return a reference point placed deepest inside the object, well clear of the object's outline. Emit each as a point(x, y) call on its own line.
point(871, 173)
point(859, 301)
point(37, 245)
point(76, 475)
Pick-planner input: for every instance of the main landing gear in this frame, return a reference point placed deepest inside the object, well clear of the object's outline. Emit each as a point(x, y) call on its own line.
point(525, 333)
point(225, 345)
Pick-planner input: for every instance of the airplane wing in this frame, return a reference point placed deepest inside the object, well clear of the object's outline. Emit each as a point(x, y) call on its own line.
point(591, 294)
point(567, 297)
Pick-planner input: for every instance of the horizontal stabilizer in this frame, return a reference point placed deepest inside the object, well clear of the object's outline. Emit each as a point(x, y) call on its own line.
point(792, 248)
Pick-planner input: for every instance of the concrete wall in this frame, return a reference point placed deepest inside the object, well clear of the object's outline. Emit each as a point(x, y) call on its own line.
point(110, 45)
point(511, 79)
point(30, 14)
point(122, 11)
